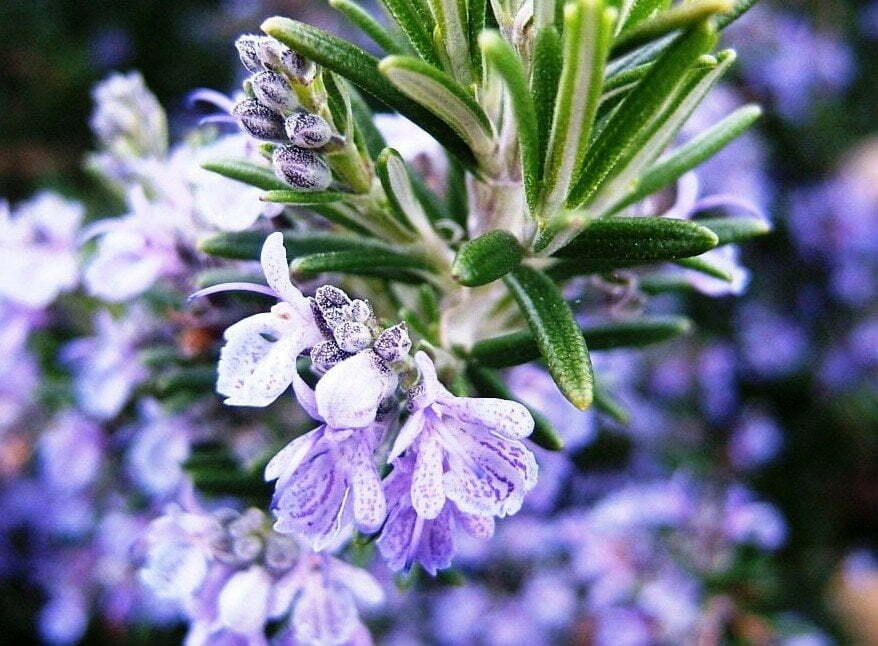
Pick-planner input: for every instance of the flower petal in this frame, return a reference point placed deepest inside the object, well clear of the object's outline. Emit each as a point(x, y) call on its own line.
point(312, 503)
point(325, 614)
point(253, 370)
point(488, 475)
point(305, 396)
point(288, 459)
point(429, 388)
point(365, 587)
point(369, 505)
point(243, 603)
point(395, 542)
point(277, 269)
point(428, 494)
point(407, 434)
point(348, 395)
point(499, 415)
point(481, 527)
point(436, 547)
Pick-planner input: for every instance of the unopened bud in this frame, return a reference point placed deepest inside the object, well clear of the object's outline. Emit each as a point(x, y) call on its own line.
point(273, 91)
point(332, 302)
point(394, 343)
point(308, 130)
point(259, 121)
point(361, 311)
point(352, 337)
point(248, 51)
point(302, 169)
point(326, 354)
point(275, 56)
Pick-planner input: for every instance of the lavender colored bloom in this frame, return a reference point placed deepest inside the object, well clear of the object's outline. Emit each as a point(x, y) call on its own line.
point(773, 344)
point(258, 361)
point(38, 256)
point(468, 450)
point(752, 521)
point(105, 366)
point(327, 479)
point(134, 250)
point(70, 453)
point(756, 440)
point(128, 119)
point(410, 536)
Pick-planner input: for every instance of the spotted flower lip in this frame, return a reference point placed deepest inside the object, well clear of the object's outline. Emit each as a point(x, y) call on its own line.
point(408, 536)
point(327, 480)
point(258, 361)
point(468, 450)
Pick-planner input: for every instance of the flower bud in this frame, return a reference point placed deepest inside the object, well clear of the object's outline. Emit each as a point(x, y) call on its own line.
point(301, 169)
point(394, 343)
point(272, 91)
point(248, 51)
point(352, 337)
point(276, 57)
point(326, 354)
point(259, 121)
point(332, 303)
point(361, 311)
point(308, 130)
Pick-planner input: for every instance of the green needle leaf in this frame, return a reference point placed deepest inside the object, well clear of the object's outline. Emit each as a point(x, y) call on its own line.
point(735, 229)
point(361, 69)
point(636, 119)
point(612, 243)
point(556, 333)
point(360, 261)
point(678, 17)
point(694, 152)
point(413, 25)
point(705, 267)
point(289, 196)
point(520, 347)
point(546, 72)
point(247, 172)
point(500, 54)
point(371, 27)
point(444, 97)
point(247, 245)
point(486, 258)
point(587, 34)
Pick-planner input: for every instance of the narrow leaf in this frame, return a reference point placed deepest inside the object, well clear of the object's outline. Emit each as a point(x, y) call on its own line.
point(500, 54)
point(587, 35)
point(735, 229)
point(635, 120)
point(545, 75)
point(486, 258)
point(247, 172)
point(557, 335)
point(361, 69)
point(365, 122)
point(247, 245)
point(641, 10)
point(444, 97)
point(489, 384)
point(359, 261)
point(740, 7)
point(681, 16)
point(477, 10)
point(704, 266)
point(613, 243)
point(361, 18)
point(693, 153)
point(289, 196)
point(402, 193)
point(608, 405)
point(520, 347)
point(416, 29)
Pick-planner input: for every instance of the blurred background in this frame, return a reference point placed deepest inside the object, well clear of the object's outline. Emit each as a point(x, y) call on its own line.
point(781, 383)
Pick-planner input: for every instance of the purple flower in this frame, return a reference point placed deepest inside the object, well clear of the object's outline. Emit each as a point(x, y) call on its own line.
point(71, 451)
point(408, 536)
point(134, 250)
point(38, 255)
point(468, 450)
point(258, 361)
point(105, 366)
point(327, 479)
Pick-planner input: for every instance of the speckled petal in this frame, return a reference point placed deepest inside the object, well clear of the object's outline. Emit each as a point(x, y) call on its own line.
point(428, 495)
point(277, 269)
point(253, 370)
point(436, 547)
point(499, 415)
point(324, 614)
point(395, 542)
point(409, 432)
point(369, 505)
point(481, 527)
